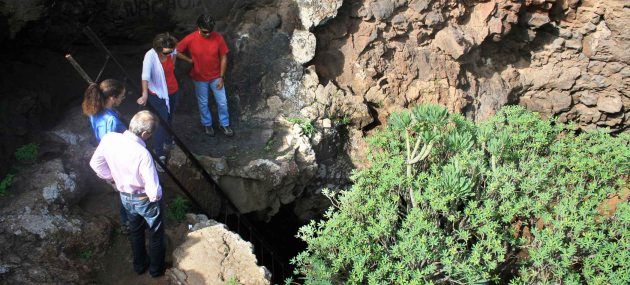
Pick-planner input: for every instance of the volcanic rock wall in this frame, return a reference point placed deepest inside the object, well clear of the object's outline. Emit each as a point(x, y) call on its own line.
point(563, 58)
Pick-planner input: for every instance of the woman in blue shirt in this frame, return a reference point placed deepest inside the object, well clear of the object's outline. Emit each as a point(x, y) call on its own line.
point(98, 104)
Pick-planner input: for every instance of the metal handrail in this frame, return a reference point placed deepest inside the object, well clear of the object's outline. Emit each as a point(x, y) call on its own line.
point(89, 80)
point(196, 164)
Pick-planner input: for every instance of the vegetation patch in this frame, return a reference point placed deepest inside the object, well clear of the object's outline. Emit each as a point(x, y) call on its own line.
point(514, 200)
point(86, 254)
point(270, 142)
point(5, 183)
point(232, 281)
point(24, 155)
point(178, 208)
point(305, 125)
point(27, 153)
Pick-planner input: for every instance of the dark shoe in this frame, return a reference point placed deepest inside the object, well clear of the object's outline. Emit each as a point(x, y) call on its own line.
point(143, 270)
point(156, 275)
point(209, 130)
point(227, 131)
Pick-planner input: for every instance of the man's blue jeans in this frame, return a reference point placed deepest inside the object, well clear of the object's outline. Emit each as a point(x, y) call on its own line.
point(201, 90)
point(139, 211)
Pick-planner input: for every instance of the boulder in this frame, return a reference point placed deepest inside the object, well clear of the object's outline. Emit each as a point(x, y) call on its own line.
point(453, 42)
point(560, 101)
point(211, 254)
point(314, 13)
point(303, 46)
point(537, 19)
point(609, 103)
point(588, 99)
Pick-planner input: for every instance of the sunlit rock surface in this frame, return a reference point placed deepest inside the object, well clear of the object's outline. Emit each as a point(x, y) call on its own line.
point(211, 254)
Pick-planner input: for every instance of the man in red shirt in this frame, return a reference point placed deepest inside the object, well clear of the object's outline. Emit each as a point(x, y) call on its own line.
point(208, 55)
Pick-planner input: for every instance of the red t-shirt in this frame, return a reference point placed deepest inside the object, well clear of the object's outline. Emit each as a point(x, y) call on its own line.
point(169, 72)
point(205, 53)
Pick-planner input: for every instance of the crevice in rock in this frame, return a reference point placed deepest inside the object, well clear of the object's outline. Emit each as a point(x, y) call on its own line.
point(376, 121)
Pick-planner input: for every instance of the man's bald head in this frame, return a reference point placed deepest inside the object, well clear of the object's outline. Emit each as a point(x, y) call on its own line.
point(143, 122)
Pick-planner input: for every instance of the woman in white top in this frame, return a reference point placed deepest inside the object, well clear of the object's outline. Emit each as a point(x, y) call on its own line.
point(159, 85)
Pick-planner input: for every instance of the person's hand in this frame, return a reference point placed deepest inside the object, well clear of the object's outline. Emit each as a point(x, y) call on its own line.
point(220, 83)
point(143, 100)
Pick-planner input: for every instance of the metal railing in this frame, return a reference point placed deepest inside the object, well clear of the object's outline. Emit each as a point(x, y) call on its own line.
point(262, 249)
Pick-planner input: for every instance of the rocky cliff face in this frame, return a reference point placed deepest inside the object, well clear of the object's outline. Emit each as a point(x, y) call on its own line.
point(562, 58)
point(45, 236)
point(363, 59)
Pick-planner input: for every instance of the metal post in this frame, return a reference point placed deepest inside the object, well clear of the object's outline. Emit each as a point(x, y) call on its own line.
point(79, 69)
point(102, 68)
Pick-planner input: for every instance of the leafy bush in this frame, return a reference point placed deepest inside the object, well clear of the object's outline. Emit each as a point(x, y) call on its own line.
point(27, 153)
point(516, 199)
point(5, 183)
point(178, 208)
point(307, 126)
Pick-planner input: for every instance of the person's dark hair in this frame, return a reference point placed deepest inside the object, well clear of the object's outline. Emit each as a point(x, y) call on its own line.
point(164, 40)
point(205, 22)
point(97, 93)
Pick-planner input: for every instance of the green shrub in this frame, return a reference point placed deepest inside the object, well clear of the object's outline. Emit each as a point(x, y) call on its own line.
point(27, 153)
point(306, 125)
point(516, 199)
point(178, 208)
point(5, 183)
point(86, 254)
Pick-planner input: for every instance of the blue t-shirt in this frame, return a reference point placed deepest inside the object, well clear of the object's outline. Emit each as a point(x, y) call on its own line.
point(105, 122)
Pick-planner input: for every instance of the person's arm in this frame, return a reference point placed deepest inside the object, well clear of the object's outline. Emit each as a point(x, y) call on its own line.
point(181, 48)
point(223, 69)
point(183, 57)
point(146, 76)
point(145, 93)
point(151, 179)
point(99, 164)
point(223, 51)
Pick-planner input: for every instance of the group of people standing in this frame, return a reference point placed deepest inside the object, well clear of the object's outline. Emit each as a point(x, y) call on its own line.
point(122, 157)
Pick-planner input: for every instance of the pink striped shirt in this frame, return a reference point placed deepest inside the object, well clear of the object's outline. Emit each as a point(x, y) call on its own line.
point(125, 159)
